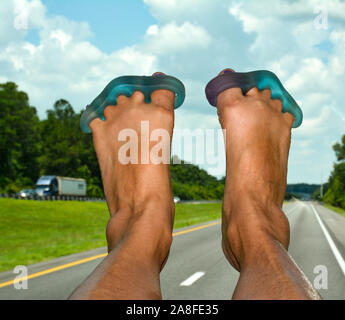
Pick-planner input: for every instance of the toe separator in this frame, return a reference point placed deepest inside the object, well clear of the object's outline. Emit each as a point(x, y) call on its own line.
point(261, 79)
point(126, 85)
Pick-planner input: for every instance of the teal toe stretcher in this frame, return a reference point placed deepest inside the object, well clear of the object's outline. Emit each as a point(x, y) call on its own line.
point(261, 79)
point(126, 85)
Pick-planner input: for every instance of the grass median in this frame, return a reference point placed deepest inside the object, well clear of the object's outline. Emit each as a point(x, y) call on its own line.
point(335, 209)
point(35, 231)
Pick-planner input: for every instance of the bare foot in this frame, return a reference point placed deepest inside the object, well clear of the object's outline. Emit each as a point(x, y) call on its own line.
point(255, 229)
point(139, 197)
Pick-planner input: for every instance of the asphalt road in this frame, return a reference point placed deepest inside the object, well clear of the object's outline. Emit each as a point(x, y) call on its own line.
point(197, 268)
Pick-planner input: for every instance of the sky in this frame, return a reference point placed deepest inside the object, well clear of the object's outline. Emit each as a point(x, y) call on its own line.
point(72, 49)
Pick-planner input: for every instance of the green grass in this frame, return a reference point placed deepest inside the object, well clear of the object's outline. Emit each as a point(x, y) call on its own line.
point(190, 214)
point(336, 209)
point(34, 231)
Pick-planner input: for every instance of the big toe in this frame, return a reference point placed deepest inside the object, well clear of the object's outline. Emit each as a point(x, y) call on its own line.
point(231, 95)
point(226, 70)
point(162, 97)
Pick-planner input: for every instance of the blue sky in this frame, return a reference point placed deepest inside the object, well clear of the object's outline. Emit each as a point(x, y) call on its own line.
point(114, 24)
point(72, 49)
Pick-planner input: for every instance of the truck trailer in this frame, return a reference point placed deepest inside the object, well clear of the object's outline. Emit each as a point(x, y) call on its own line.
point(60, 186)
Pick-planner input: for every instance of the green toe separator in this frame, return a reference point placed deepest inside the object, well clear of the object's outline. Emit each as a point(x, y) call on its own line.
point(126, 85)
point(268, 80)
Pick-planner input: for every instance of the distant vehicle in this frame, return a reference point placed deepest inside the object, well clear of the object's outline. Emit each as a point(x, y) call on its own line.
point(27, 194)
point(60, 186)
point(177, 199)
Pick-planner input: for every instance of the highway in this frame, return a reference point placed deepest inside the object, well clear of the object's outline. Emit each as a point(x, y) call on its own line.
point(197, 269)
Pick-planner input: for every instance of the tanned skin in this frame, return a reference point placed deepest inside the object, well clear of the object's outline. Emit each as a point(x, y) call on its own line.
point(255, 229)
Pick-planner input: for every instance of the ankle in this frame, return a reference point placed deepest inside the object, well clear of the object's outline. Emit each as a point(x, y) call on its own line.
point(144, 232)
point(249, 229)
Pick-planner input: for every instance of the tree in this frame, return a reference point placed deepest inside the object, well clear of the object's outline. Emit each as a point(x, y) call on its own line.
point(66, 150)
point(335, 194)
point(339, 149)
point(19, 139)
point(189, 182)
point(60, 139)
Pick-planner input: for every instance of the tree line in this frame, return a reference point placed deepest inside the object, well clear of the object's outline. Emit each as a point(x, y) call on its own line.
point(334, 190)
point(30, 147)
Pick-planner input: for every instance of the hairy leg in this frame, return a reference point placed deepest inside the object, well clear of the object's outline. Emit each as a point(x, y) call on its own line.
point(139, 198)
point(255, 229)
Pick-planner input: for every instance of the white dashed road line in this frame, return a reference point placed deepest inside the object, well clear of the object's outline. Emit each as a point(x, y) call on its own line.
point(189, 281)
point(197, 275)
point(334, 248)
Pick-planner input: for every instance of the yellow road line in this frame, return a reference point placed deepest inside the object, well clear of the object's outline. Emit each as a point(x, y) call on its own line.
point(75, 263)
point(41, 273)
point(196, 228)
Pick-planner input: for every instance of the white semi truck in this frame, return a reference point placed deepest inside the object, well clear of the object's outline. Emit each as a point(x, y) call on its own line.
point(60, 186)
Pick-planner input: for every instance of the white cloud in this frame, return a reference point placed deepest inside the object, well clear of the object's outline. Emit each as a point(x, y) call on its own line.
point(172, 37)
point(62, 37)
point(64, 63)
point(193, 40)
point(312, 127)
point(152, 30)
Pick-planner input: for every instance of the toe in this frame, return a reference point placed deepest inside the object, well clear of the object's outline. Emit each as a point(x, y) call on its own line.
point(95, 124)
point(138, 96)
point(162, 97)
point(122, 99)
point(158, 74)
point(289, 118)
point(226, 70)
point(108, 112)
point(229, 96)
point(253, 92)
point(277, 104)
point(266, 93)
